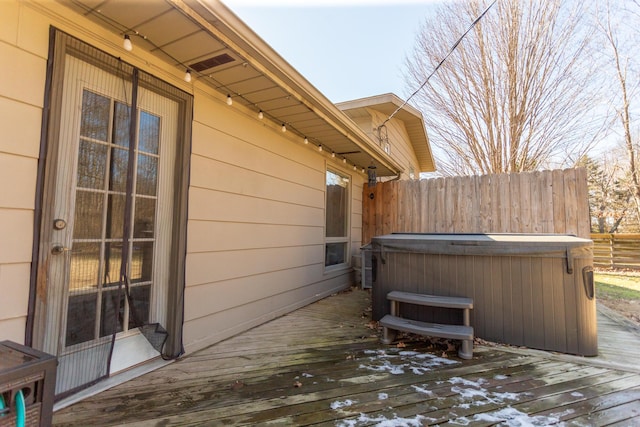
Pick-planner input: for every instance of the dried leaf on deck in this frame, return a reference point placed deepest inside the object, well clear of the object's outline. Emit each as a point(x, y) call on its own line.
point(237, 385)
point(401, 345)
point(297, 384)
point(372, 325)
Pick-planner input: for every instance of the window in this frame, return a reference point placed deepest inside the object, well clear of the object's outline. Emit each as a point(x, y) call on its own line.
point(337, 220)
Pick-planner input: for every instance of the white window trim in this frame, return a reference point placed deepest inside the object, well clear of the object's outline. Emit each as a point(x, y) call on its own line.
point(346, 239)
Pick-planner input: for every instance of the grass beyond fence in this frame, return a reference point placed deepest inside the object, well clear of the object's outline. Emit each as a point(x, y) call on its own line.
point(619, 286)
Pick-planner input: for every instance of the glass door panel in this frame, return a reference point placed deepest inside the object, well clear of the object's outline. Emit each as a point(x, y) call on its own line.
point(98, 226)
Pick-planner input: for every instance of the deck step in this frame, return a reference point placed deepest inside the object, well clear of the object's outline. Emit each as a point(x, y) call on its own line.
point(430, 300)
point(456, 332)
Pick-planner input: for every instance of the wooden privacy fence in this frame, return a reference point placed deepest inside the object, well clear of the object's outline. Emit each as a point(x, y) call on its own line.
point(616, 250)
point(534, 202)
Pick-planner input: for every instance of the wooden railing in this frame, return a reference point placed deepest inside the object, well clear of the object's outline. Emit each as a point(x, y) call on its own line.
point(616, 251)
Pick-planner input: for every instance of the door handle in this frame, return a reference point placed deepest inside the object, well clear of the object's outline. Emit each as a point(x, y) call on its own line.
point(58, 249)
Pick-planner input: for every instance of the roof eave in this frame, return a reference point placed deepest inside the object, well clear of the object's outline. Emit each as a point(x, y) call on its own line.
point(388, 104)
point(217, 18)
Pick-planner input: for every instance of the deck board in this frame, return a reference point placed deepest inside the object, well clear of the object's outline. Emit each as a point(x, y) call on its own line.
point(323, 365)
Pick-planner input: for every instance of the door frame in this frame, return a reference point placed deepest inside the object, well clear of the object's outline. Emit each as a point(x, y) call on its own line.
point(60, 45)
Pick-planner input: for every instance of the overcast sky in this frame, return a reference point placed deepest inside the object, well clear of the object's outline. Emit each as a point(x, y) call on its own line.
point(347, 49)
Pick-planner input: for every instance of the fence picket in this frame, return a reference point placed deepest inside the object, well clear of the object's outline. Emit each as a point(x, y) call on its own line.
point(582, 211)
point(504, 205)
point(438, 218)
point(483, 215)
point(547, 203)
point(525, 207)
point(516, 202)
point(559, 202)
point(571, 214)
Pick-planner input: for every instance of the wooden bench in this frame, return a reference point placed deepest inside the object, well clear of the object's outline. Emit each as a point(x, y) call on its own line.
point(393, 322)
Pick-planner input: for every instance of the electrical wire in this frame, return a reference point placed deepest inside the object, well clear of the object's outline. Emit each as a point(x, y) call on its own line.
point(455, 45)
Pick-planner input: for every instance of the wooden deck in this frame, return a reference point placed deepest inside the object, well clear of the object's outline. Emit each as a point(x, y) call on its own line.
point(323, 365)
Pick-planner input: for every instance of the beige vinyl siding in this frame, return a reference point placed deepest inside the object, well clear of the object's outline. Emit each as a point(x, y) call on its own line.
point(400, 143)
point(257, 196)
point(401, 148)
point(256, 224)
point(23, 69)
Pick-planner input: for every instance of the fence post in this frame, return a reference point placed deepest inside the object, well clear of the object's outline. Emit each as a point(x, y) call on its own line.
point(611, 252)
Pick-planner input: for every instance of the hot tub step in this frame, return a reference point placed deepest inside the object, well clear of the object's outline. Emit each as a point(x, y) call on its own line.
point(430, 300)
point(456, 332)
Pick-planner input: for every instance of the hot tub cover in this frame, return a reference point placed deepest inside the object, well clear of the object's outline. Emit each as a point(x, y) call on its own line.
point(484, 244)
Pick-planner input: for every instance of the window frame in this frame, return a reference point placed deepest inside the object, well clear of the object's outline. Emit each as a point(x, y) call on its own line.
point(346, 239)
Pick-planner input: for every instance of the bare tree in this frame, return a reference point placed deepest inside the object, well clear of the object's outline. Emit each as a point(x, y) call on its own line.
point(620, 42)
point(512, 96)
point(608, 196)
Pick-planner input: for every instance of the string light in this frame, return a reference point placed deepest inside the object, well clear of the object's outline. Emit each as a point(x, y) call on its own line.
point(128, 46)
point(188, 78)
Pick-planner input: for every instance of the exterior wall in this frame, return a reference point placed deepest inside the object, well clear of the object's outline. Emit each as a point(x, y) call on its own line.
point(256, 209)
point(23, 70)
point(256, 224)
point(401, 149)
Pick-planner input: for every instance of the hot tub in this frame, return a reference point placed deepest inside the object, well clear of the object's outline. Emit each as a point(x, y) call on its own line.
point(528, 289)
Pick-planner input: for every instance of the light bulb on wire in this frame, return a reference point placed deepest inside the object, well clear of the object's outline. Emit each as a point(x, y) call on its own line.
point(126, 43)
point(187, 76)
point(284, 128)
point(260, 115)
point(229, 100)
point(306, 140)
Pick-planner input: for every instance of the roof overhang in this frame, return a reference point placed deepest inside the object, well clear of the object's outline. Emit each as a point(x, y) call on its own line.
point(226, 55)
point(412, 118)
